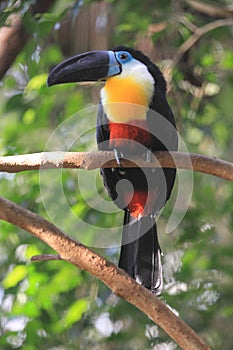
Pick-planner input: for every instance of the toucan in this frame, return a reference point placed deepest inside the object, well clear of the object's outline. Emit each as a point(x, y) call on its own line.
point(134, 119)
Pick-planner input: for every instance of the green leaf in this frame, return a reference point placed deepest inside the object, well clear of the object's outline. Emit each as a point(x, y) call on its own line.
point(36, 82)
point(17, 274)
point(73, 314)
point(29, 116)
point(227, 61)
point(31, 251)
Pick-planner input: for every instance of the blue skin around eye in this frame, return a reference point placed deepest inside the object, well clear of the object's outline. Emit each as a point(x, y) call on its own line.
point(114, 67)
point(115, 62)
point(128, 59)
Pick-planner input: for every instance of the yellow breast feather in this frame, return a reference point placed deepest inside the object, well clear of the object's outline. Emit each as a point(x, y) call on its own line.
point(125, 98)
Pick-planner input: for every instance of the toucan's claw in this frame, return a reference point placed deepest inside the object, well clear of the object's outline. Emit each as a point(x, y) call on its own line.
point(148, 156)
point(119, 156)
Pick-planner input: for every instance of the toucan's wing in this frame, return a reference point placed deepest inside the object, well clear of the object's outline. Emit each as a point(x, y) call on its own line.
point(110, 176)
point(161, 124)
point(102, 130)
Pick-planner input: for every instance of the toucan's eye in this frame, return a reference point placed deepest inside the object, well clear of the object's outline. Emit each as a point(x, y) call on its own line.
point(123, 56)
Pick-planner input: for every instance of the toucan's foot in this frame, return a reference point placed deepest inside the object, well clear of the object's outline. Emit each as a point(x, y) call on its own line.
point(119, 156)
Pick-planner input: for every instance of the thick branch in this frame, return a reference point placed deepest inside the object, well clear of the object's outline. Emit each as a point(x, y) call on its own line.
point(116, 279)
point(12, 40)
point(93, 160)
point(13, 37)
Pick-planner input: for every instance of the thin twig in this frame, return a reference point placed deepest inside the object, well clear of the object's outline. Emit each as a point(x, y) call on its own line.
point(197, 35)
point(187, 23)
point(94, 160)
point(116, 279)
point(46, 257)
point(210, 9)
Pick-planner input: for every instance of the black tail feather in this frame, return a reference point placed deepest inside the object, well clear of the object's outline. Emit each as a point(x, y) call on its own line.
point(140, 252)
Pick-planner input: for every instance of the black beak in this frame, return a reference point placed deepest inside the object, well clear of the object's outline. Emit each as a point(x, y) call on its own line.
point(89, 66)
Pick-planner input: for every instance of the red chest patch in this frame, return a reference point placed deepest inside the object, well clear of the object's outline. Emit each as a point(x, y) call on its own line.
point(122, 134)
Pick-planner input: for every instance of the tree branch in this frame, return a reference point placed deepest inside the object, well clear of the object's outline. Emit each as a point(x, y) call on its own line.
point(116, 279)
point(46, 257)
point(94, 160)
point(211, 10)
point(14, 37)
point(197, 35)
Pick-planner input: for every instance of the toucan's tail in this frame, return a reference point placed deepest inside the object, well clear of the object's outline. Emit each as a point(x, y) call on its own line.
point(140, 252)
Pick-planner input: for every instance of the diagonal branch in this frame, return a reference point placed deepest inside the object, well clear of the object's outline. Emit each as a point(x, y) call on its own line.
point(116, 279)
point(197, 35)
point(210, 9)
point(93, 160)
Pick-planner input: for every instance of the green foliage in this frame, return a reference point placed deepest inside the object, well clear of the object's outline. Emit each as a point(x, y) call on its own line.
point(55, 305)
point(16, 275)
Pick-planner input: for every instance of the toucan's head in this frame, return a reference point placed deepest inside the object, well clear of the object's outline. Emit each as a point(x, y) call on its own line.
point(131, 79)
point(101, 65)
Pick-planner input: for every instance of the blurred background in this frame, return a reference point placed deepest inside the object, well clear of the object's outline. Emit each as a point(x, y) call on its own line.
point(52, 304)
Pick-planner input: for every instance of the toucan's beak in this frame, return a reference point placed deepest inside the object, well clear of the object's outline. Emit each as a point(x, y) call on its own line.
point(89, 66)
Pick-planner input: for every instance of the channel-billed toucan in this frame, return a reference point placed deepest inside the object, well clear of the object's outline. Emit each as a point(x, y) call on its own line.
point(134, 118)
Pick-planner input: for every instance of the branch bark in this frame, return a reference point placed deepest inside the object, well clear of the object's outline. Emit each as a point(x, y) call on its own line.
point(94, 160)
point(116, 279)
point(13, 39)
